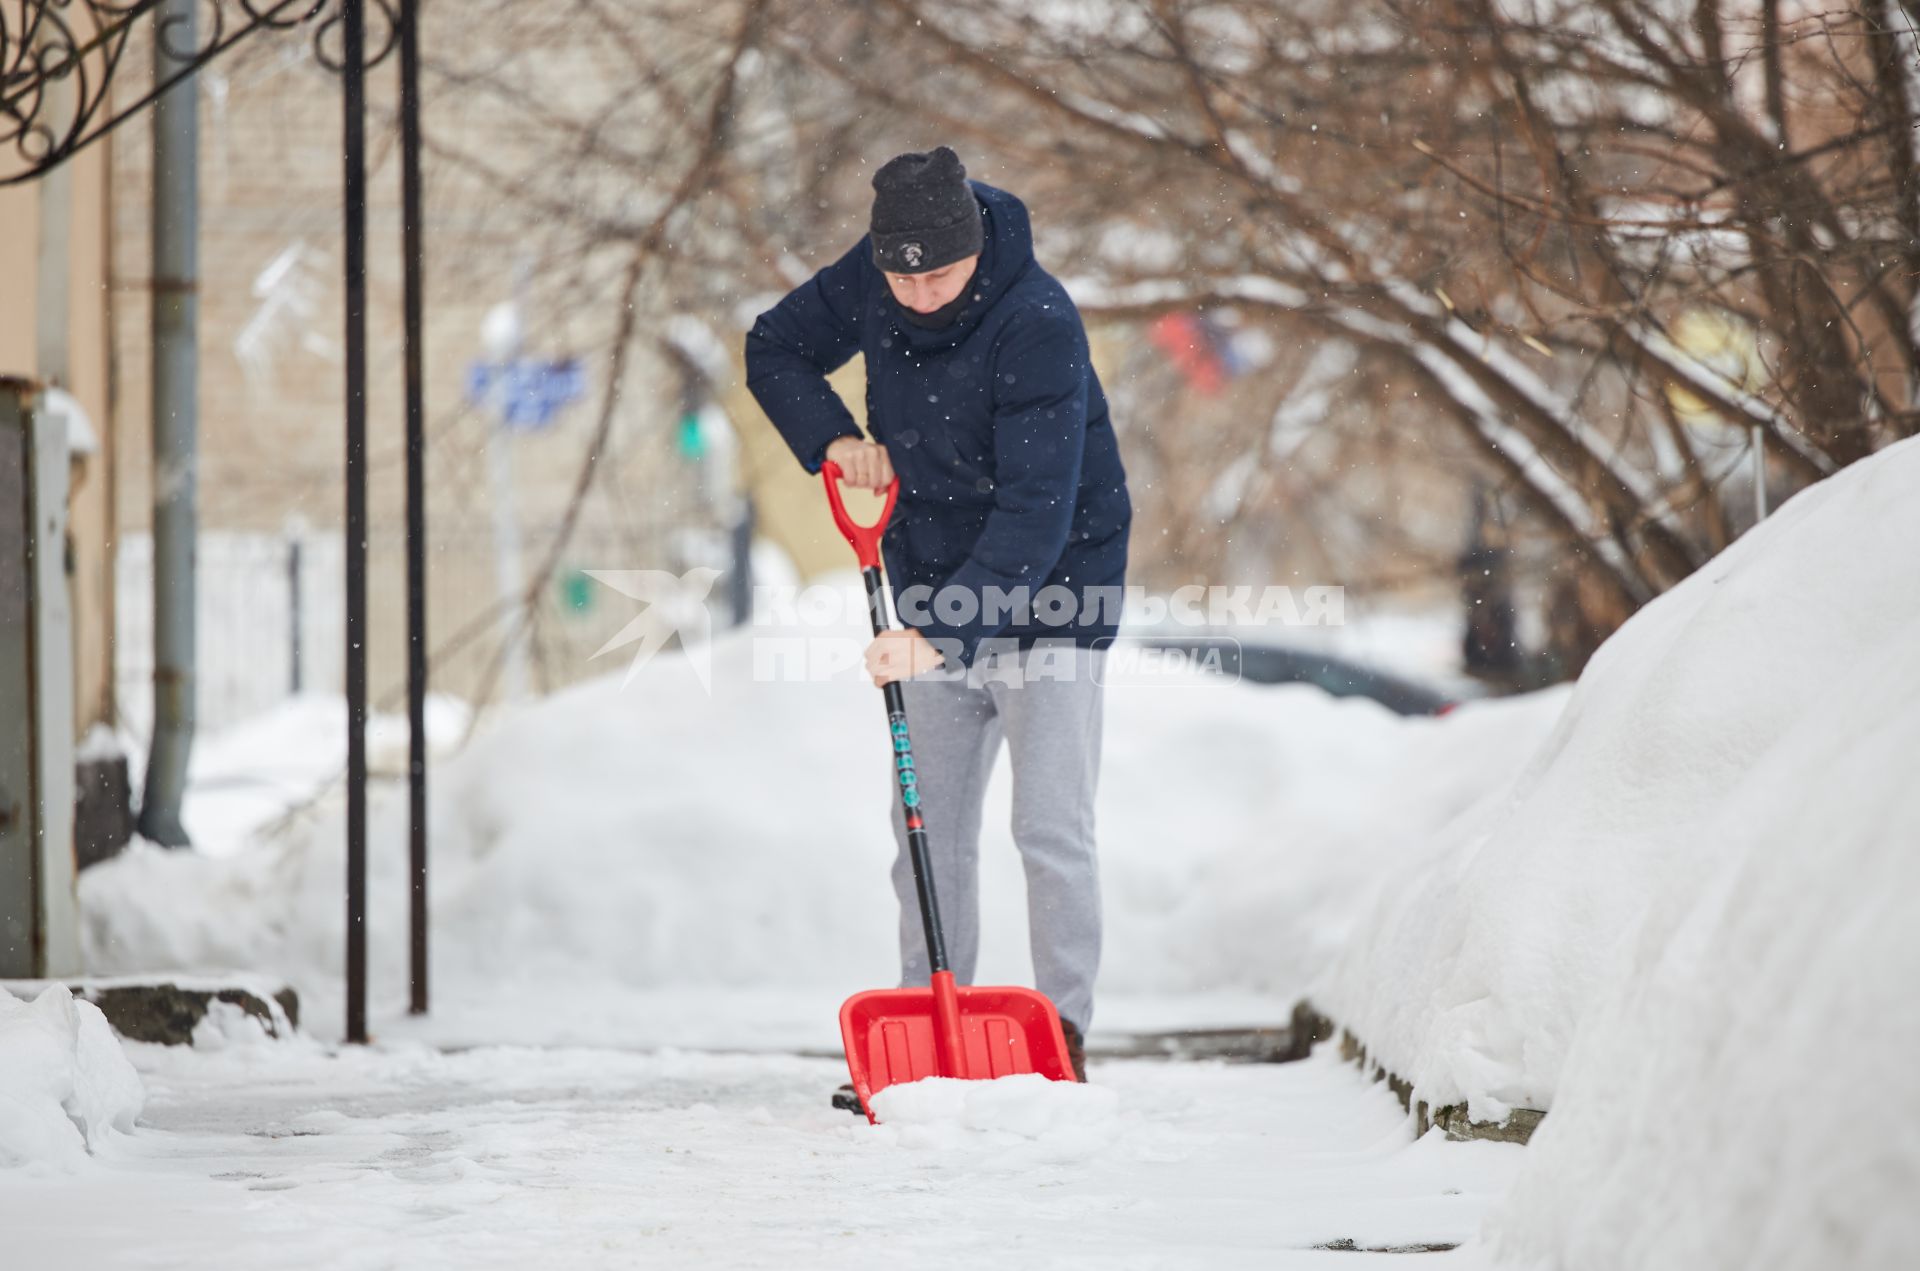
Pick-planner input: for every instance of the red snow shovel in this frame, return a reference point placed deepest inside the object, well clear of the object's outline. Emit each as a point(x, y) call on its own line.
point(945, 1030)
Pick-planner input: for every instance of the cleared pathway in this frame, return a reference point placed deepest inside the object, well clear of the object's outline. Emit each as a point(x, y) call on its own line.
point(302, 1156)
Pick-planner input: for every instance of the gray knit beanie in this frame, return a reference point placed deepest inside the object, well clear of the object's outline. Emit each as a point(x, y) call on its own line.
point(924, 213)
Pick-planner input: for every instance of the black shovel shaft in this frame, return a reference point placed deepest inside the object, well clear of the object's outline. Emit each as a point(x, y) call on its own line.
point(908, 780)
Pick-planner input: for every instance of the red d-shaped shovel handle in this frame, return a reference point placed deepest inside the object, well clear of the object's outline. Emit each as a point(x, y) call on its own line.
point(864, 538)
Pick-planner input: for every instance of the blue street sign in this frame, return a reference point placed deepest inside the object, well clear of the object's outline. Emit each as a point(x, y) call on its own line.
point(527, 392)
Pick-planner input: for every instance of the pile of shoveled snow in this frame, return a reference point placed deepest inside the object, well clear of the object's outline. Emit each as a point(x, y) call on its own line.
point(668, 864)
point(65, 1084)
point(1027, 1106)
point(1689, 930)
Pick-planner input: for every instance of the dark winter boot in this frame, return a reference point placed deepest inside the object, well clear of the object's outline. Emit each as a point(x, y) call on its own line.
point(1076, 1050)
point(847, 1100)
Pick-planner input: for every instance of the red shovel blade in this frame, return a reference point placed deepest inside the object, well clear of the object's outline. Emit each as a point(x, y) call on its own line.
point(893, 1035)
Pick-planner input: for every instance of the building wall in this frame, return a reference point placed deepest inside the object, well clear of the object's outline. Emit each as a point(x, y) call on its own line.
point(76, 358)
point(271, 335)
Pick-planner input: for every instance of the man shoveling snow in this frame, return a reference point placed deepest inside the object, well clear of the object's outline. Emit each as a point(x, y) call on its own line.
point(1008, 550)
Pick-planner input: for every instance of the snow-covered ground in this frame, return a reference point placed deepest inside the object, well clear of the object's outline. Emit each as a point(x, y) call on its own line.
point(291, 1156)
point(664, 865)
point(1673, 907)
point(1688, 930)
point(66, 1089)
point(619, 876)
point(245, 780)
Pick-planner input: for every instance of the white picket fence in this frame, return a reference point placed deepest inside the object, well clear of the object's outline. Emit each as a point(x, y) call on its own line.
point(245, 623)
point(246, 649)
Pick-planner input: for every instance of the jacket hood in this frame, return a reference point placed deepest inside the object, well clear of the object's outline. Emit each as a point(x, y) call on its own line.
point(1004, 259)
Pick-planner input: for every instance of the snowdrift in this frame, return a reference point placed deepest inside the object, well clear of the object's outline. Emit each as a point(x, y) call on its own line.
point(65, 1085)
point(661, 864)
point(1028, 1106)
point(1688, 928)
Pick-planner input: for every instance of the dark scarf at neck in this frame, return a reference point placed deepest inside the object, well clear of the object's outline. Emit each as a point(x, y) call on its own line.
point(946, 313)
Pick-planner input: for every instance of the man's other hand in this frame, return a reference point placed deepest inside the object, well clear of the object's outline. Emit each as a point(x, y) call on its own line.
point(862, 464)
point(901, 655)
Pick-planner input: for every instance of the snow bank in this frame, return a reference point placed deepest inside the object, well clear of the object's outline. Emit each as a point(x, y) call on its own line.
point(608, 863)
point(243, 779)
point(1742, 1093)
point(1688, 929)
point(226, 1026)
point(1028, 1106)
point(1473, 973)
point(65, 1084)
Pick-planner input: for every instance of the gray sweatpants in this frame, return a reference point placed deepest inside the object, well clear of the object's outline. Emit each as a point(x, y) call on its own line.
point(1046, 702)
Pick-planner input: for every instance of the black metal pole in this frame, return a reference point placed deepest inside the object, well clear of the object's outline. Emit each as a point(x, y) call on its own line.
point(908, 780)
point(413, 245)
point(354, 148)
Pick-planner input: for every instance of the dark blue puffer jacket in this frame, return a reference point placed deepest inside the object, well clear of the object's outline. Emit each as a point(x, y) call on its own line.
point(996, 426)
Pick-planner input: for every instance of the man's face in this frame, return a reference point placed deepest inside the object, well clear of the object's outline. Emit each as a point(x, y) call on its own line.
point(924, 293)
